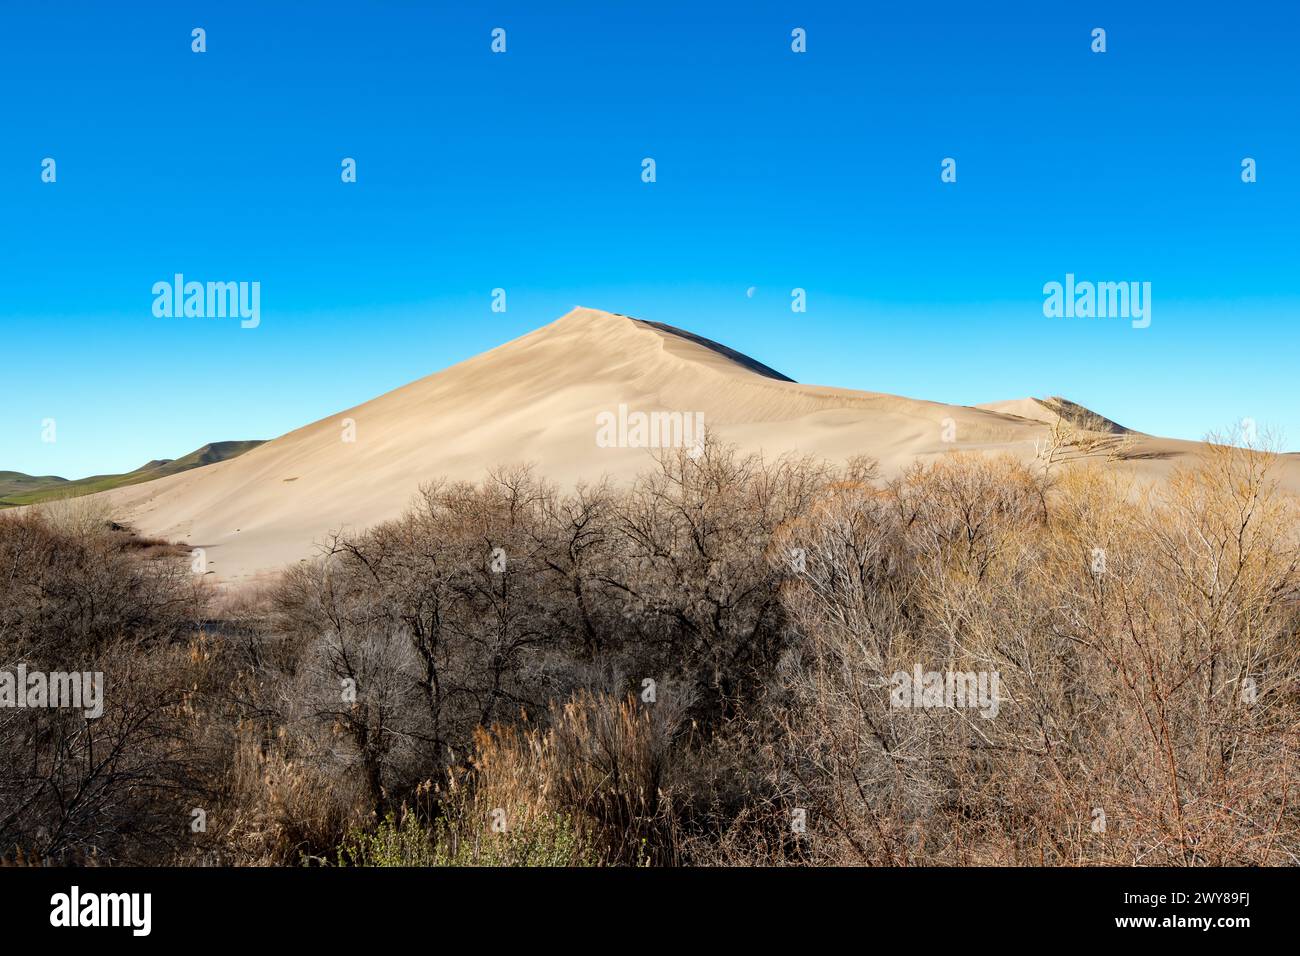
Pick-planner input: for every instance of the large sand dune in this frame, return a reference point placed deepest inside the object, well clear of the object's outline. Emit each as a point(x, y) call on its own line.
point(537, 399)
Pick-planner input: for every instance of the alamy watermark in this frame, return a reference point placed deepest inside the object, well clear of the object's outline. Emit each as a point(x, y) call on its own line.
point(977, 690)
point(76, 690)
point(75, 908)
point(631, 429)
point(1100, 300)
point(211, 300)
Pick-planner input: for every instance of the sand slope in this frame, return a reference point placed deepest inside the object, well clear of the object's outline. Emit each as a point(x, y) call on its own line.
point(536, 399)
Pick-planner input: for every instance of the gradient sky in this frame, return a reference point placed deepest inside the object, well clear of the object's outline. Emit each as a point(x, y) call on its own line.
point(522, 171)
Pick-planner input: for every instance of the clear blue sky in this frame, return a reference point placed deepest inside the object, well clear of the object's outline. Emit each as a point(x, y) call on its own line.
point(522, 171)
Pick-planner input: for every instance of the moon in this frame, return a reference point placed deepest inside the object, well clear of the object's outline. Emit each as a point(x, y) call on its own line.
point(749, 293)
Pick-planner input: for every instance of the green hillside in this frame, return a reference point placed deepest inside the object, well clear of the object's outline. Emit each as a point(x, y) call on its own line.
point(16, 483)
point(19, 489)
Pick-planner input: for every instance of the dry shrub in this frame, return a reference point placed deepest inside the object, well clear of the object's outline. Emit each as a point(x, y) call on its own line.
point(1143, 639)
point(1145, 648)
point(694, 569)
point(77, 597)
point(72, 583)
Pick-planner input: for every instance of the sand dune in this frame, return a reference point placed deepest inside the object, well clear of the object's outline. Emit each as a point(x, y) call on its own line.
point(537, 399)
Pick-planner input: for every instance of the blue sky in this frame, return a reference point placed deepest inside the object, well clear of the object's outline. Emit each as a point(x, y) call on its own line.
point(775, 170)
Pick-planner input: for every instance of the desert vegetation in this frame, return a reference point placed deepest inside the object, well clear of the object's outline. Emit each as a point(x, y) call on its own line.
point(699, 669)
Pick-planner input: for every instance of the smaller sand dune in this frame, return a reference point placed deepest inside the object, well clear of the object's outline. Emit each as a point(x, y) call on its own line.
point(1053, 409)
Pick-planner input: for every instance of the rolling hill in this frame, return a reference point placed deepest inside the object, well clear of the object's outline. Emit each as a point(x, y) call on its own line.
point(18, 489)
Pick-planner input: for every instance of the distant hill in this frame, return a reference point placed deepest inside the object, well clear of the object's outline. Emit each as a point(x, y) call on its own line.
point(16, 483)
point(19, 489)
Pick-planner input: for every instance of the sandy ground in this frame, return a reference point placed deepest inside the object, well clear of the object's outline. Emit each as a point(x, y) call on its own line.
point(537, 399)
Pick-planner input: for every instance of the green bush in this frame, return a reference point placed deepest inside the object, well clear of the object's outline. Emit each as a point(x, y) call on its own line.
point(551, 840)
